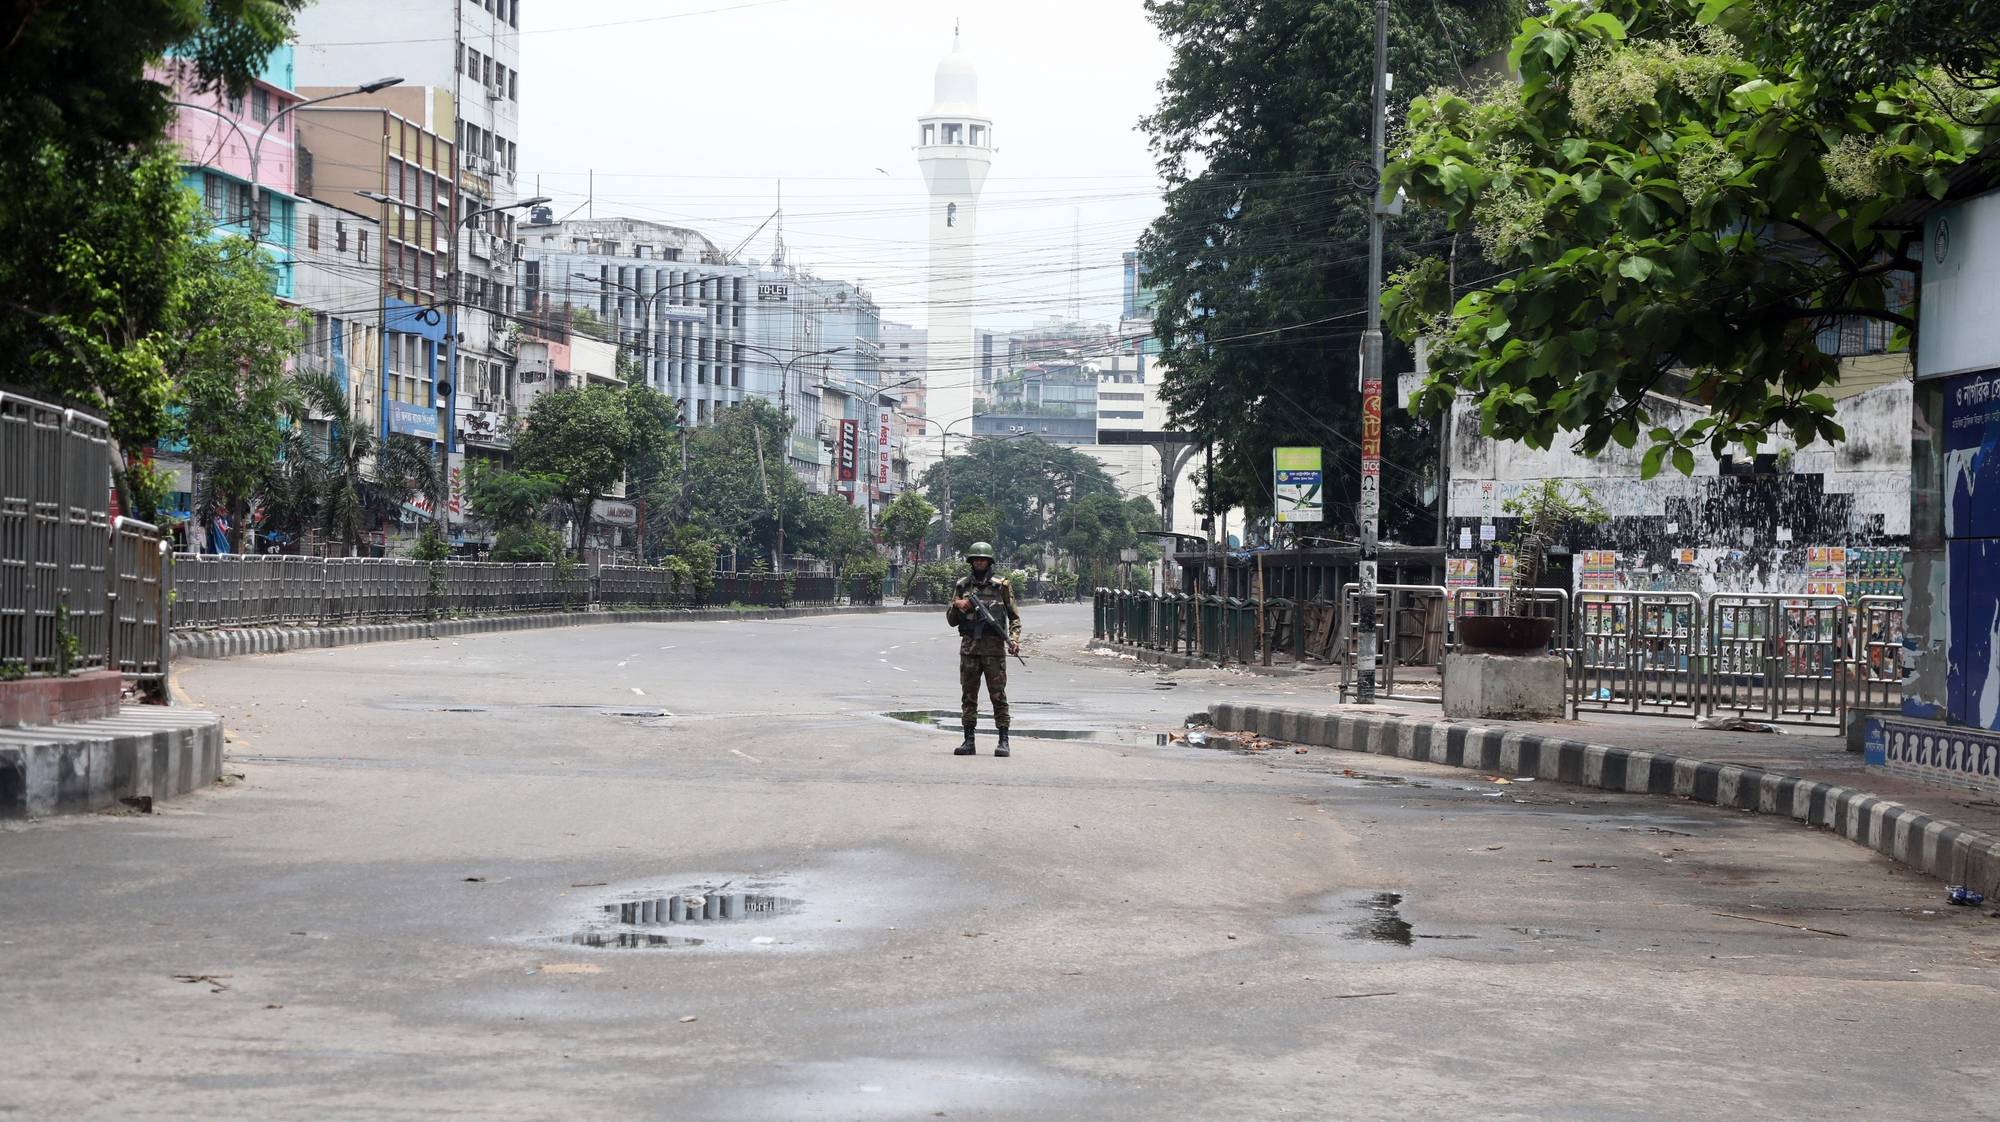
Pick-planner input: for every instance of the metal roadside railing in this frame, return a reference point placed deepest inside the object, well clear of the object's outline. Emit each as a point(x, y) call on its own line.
point(1776, 657)
point(248, 591)
point(78, 591)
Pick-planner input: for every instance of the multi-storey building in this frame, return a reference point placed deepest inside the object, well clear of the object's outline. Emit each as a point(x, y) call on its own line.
point(711, 332)
point(238, 155)
point(459, 61)
point(391, 168)
point(338, 286)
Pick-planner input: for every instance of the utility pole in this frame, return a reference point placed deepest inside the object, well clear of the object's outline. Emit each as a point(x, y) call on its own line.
point(1371, 384)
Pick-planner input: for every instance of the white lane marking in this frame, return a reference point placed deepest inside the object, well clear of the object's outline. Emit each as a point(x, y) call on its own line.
point(746, 756)
point(899, 669)
point(667, 648)
point(622, 665)
point(638, 691)
point(881, 660)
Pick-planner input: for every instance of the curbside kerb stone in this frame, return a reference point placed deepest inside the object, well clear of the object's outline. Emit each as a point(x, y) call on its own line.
point(1951, 852)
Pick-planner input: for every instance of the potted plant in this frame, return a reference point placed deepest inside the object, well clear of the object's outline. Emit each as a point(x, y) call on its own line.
point(1546, 511)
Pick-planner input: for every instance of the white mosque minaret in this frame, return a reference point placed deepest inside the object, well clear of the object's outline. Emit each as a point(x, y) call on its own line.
point(954, 148)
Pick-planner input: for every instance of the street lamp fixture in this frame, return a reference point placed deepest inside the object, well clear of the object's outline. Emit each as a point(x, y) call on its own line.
point(257, 150)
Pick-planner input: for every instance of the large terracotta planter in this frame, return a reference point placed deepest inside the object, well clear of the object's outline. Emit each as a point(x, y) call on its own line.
point(1506, 633)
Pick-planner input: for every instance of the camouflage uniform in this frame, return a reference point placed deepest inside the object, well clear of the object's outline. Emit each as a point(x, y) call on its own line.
point(981, 652)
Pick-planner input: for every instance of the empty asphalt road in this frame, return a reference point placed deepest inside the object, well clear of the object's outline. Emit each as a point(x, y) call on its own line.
point(454, 877)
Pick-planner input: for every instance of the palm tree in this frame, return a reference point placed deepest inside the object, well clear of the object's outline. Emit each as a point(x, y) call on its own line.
point(405, 467)
point(331, 469)
point(337, 459)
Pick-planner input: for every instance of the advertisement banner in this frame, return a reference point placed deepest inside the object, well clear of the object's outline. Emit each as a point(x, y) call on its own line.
point(455, 487)
point(885, 422)
point(849, 450)
point(1298, 494)
point(1371, 427)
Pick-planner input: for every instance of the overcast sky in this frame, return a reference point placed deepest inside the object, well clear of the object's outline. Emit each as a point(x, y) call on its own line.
point(694, 119)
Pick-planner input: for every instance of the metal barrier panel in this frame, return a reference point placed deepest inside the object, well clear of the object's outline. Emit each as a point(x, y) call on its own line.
point(1392, 601)
point(138, 601)
point(1878, 652)
point(1777, 656)
point(1638, 652)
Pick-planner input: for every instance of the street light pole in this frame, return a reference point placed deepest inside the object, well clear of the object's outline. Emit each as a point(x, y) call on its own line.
point(257, 150)
point(784, 406)
point(1371, 385)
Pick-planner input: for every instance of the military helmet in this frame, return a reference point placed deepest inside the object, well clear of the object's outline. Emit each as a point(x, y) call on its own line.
point(979, 549)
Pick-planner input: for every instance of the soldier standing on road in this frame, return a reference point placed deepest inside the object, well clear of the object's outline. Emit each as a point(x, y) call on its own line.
point(982, 650)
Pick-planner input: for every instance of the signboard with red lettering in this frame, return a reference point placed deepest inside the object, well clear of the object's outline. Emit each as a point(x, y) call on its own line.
point(885, 423)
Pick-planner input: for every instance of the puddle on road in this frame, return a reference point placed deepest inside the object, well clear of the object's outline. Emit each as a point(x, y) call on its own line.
point(629, 940)
point(632, 922)
point(948, 720)
point(1383, 922)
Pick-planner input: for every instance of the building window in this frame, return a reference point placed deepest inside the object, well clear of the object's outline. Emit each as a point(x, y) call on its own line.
point(954, 133)
point(930, 134)
point(339, 236)
point(361, 245)
point(312, 231)
point(673, 253)
point(978, 134)
point(513, 85)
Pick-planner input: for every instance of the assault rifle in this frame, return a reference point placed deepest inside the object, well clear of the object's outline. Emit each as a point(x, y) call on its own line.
point(984, 617)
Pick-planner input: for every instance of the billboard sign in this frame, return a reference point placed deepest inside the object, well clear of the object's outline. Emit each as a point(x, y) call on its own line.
point(1299, 493)
point(413, 420)
point(614, 512)
point(849, 450)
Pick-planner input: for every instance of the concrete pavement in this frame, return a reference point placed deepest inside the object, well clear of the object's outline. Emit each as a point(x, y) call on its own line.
point(377, 922)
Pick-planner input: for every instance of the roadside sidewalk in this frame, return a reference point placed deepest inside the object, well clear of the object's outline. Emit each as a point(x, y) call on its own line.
point(1806, 775)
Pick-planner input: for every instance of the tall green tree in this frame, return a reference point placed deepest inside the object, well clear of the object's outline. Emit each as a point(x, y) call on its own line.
point(1849, 47)
point(1673, 219)
point(227, 348)
point(905, 522)
point(581, 437)
point(1259, 259)
point(737, 487)
point(1025, 483)
point(91, 209)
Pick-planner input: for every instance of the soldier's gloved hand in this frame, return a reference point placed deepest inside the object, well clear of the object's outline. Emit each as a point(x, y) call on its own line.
point(1013, 648)
point(962, 605)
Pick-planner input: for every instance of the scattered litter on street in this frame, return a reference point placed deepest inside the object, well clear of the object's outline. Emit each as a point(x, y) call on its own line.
point(1964, 897)
point(213, 981)
point(1732, 722)
point(1349, 996)
point(689, 1020)
point(570, 968)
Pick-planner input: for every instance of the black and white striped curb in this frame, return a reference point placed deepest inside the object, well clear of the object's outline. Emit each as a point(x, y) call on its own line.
point(274, 640)
point(1953, 853)
point(146, 750)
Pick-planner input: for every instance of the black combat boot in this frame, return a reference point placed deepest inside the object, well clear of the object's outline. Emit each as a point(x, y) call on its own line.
point(1000, 749)
point(965, 748)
